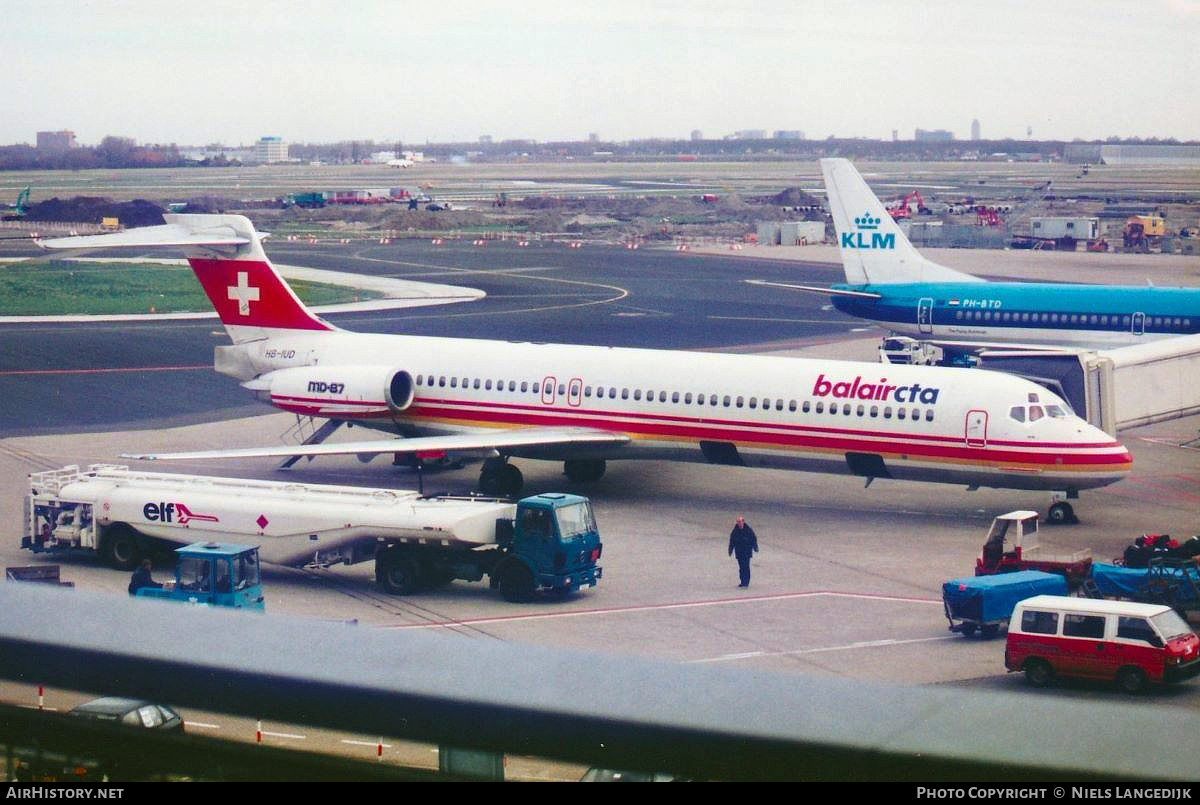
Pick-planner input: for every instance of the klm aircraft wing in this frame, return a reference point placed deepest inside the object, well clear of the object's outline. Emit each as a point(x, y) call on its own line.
point(529, 438)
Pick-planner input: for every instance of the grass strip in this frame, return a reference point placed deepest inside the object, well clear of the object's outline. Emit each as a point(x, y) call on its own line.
point(65, 287)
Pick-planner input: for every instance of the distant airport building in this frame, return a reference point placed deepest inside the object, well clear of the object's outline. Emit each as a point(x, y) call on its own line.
point(55, 140)
point(935, 136)
point(976, 130)
point(270, 149)
point(697, 134)
point(215, 152)
point(750, 134)
point(485, 139)
point(1132, 154)
point(789, 134)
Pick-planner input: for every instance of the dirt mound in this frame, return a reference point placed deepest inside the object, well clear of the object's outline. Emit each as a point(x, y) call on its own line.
point(87, 209)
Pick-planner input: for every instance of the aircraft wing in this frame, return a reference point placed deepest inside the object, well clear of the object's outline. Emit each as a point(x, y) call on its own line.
point(495, 440)
point(815, 289)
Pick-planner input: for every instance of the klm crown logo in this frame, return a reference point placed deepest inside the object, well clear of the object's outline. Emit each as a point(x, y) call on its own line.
point(866, 224)
point(865, 221)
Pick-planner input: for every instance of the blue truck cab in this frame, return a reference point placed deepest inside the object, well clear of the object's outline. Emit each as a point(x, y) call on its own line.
point(214, 574)
point(554, 547)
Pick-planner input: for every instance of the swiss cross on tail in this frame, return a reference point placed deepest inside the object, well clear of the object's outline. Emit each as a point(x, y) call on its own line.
point(243, 293)
point(250, 293)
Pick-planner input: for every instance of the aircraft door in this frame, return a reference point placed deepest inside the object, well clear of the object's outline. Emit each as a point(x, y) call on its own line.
point(1139, 323)
point(575, 392)
point(925, 315)
point(976, 428)
point(548, 390)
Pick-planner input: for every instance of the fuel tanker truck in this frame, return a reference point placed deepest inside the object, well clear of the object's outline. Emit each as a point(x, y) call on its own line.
point(546, 542)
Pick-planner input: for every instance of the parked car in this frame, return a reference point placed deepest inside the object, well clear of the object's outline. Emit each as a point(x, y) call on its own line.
point(53, 766)
point(131, 712)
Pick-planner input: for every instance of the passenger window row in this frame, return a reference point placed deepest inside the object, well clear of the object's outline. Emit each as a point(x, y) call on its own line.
point(1175, 323)
point(687, 398)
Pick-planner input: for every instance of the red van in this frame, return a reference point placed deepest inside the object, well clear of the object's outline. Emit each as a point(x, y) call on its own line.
point(1133, 644)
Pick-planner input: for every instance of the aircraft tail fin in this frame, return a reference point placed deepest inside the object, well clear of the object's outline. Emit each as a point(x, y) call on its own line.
point(874, 249)
point(226, 254)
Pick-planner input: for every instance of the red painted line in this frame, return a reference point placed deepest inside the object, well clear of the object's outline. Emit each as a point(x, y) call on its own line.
point(578, 613)
point(30, 372)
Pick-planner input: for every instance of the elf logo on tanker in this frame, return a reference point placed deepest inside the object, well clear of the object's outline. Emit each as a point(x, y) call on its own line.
point(867, 235)
point(856, 389)
point(174, 513)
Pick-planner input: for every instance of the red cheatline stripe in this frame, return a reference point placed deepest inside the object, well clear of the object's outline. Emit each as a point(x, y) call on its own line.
point(746, 432)
point(116, 370)
point(542, 410)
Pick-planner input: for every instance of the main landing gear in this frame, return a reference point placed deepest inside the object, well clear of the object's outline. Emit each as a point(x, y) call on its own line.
point(498, 478)
point(1061, 512)
point(583, 470)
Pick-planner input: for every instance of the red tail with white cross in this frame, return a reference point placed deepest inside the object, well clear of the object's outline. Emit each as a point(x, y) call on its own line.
point(250, 293)
point(227, 255)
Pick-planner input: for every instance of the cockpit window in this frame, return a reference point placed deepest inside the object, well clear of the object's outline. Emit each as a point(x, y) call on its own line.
point(1035, 412)
point(1032, 397)
point(1017, 412)
point(1055, 411)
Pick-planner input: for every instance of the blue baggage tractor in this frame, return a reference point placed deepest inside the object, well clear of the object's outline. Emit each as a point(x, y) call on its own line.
point(983, 603)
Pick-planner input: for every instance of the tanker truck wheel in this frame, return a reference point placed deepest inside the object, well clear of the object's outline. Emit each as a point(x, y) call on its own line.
point(397, 573)
point(515, 581)
point(121, 548)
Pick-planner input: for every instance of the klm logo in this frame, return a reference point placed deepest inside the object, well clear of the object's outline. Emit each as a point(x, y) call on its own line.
point(867, 235)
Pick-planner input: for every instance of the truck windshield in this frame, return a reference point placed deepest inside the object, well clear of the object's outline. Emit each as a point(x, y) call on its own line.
point(575, 519)
point(1170, 625)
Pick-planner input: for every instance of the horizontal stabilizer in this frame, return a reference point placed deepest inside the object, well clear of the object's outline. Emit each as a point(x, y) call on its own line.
point(496, 440)
point(815, 289)
point(166, 235)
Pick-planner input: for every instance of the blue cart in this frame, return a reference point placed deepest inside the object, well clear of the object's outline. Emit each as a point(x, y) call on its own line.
point(982, 603)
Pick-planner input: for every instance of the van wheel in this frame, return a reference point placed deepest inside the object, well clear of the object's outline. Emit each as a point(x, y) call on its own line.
point(1038, 673)
point(1131, 680)
point(988, 631)
point(121, 547)
point(968, 629)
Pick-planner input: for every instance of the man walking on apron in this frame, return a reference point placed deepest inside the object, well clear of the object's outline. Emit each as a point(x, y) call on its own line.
point(743, 544)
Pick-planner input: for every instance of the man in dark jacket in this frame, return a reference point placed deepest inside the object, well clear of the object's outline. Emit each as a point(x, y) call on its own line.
point(743, 544)
point(141, 578)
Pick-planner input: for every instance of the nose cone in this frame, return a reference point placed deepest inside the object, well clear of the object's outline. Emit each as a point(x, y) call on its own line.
point(1108, 459)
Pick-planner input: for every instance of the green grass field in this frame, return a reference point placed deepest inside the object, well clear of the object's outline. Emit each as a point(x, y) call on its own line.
point(68, 287)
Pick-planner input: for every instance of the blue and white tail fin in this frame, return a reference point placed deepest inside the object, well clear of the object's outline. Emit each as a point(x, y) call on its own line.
point(226, 254)
point(874, 250)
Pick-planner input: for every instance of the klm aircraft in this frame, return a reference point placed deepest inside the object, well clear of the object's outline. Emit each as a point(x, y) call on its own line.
point(888, 281)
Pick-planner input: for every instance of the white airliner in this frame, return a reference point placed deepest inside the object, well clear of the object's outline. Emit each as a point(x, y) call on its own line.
point(585, 405)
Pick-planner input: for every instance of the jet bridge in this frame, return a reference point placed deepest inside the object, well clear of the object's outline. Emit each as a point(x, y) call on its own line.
point(1115, 389)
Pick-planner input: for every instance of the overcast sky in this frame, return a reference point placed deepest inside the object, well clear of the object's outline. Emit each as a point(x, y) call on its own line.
point(217, 71)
